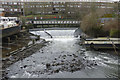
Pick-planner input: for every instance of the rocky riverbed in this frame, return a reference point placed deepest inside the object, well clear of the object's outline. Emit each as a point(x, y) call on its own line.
point(63, 57)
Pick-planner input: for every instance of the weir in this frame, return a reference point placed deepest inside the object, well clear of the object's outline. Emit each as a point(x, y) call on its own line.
point(54, 32)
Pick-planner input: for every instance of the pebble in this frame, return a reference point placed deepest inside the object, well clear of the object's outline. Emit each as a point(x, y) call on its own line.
point(71, 65)
point(21, 67)
point(62, 63)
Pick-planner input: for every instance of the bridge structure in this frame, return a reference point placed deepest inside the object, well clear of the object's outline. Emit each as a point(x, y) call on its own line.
point(55, 23)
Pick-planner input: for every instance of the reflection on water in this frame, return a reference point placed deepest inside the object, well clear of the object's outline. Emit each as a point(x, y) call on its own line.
point(64, 47)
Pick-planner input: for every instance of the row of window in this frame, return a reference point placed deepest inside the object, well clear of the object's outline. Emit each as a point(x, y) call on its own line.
point(12, 3)
point(45, 12)
point(14, 10)
point(52, 22)
point(44, 6)
point(41, 6)
point(12, 6)
point(70, 3)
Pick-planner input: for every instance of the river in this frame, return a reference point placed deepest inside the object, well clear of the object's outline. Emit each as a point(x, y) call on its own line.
point(64, 57)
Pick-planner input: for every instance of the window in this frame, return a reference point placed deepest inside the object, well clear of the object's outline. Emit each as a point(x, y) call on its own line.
point(10, 3)
point(15, 9)
point(11, 9)
point(5, 3)
point(19, 3)
point(21, 6)
point(15, 3)
point(2, 2)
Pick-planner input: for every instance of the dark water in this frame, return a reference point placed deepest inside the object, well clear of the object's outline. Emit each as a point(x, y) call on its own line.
point(63, 57)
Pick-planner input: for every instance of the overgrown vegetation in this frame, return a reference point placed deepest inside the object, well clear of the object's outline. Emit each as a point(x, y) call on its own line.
point(92, 26)
point(112, 27)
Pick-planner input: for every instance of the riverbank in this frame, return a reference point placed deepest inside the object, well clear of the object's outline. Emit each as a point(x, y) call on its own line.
point(21, 53)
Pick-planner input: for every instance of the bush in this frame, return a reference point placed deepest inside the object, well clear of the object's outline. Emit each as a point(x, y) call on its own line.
point(115, 33)
point(90, 25)
point(113, 28)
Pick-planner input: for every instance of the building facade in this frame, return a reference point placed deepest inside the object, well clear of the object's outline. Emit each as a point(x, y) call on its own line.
point(12, 8)
point(68, 8)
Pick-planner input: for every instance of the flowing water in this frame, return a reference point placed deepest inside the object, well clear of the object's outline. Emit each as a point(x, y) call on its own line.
point(64, 57)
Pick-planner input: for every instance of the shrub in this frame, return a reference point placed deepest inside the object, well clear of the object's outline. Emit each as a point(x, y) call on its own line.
point(115, 33)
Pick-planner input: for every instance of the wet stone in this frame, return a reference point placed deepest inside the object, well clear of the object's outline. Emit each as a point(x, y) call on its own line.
point(53, 64)
point(62, 61)
point(47, 65)
point(55, 58)
point(71, 65)
point(43, 63)
point(64, 56)
point(73, 59)
point(34, 61)
point(25, 66)
point(85, 57)
point(6, 73)
point(91, 64)
point(21, 67)
point(5, 78)
point(95, 64)
point(57, 64)
point(56, 71)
